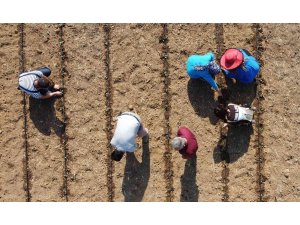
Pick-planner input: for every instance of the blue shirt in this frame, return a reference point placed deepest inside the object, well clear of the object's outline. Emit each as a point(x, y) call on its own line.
point(201, 60)
point(246, 73)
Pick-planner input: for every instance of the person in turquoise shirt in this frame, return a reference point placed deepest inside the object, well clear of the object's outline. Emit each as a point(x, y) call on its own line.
point(239, 64)
point(204, 67)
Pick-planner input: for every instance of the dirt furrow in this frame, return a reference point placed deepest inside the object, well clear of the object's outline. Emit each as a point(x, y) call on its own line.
point(13, 182)
point(85, 109)
point(260, 158)
point(26, 170)
point(63, 137)
point(281, 115)
point(167, 110)
point(192, 103)
point(222, 148)
point(108, 112)
point(242, 145)
point(44, 120)
point(137, 85)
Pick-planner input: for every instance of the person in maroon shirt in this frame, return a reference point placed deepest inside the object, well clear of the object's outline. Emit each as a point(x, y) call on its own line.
point(185, 143)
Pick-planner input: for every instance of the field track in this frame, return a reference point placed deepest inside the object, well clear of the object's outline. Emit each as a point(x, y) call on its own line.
point(59, 150)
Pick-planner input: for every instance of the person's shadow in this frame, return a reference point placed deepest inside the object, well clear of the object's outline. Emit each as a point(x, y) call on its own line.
point(201, 97)
point(235, 145)
point(238, 142)
point(241, 94)
point(136, 175)
point(189, 188)
point(42, 114)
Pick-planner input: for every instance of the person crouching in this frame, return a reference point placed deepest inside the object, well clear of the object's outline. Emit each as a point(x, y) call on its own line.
point(185, 143)
point(129, 125)
point(239, 64)
point(234, 114)
point(37, 84)
point(204, 67)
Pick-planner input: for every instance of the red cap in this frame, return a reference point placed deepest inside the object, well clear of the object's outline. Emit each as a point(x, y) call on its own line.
point(231, 59)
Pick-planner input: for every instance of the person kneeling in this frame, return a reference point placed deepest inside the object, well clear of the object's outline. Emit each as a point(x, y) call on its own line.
point(234, 114)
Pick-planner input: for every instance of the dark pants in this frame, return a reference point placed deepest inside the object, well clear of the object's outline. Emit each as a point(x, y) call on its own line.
point(117, 155)
point(45, 70)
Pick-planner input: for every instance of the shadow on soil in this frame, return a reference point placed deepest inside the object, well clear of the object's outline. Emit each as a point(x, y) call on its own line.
point(189, 188)
point(242, 94)
point(136, 175)
point(202, 99)
point(238, 137)
point(42, 114)
point(238, 141)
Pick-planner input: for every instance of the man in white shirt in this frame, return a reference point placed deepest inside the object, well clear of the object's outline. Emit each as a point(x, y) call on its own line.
point(129, 125)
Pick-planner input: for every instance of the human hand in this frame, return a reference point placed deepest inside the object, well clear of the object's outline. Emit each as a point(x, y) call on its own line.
point(58, 94)
point(225, 125)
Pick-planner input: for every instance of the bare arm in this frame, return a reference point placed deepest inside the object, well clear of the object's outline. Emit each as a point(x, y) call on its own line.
point(51, 94)
point(142, 131)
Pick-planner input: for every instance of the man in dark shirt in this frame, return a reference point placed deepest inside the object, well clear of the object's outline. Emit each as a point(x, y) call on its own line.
point(185, 143)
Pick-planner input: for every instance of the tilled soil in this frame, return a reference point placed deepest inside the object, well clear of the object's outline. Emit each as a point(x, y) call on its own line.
point(85, 110)
point(11, 118)
point(281, 112)
point(137, 86)
point(60, 148)
point(242, 140)
point(44, 119)
point(192, 102)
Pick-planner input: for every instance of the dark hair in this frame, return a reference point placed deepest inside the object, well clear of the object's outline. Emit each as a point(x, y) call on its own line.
point(221, 112)
point(117, 155)
point(225, 96)
point(43, 83)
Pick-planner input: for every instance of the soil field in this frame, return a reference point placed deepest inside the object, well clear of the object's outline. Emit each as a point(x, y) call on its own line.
point(58, 150)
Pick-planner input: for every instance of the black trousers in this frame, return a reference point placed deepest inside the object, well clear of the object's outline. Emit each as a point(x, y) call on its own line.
point(45, 70)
